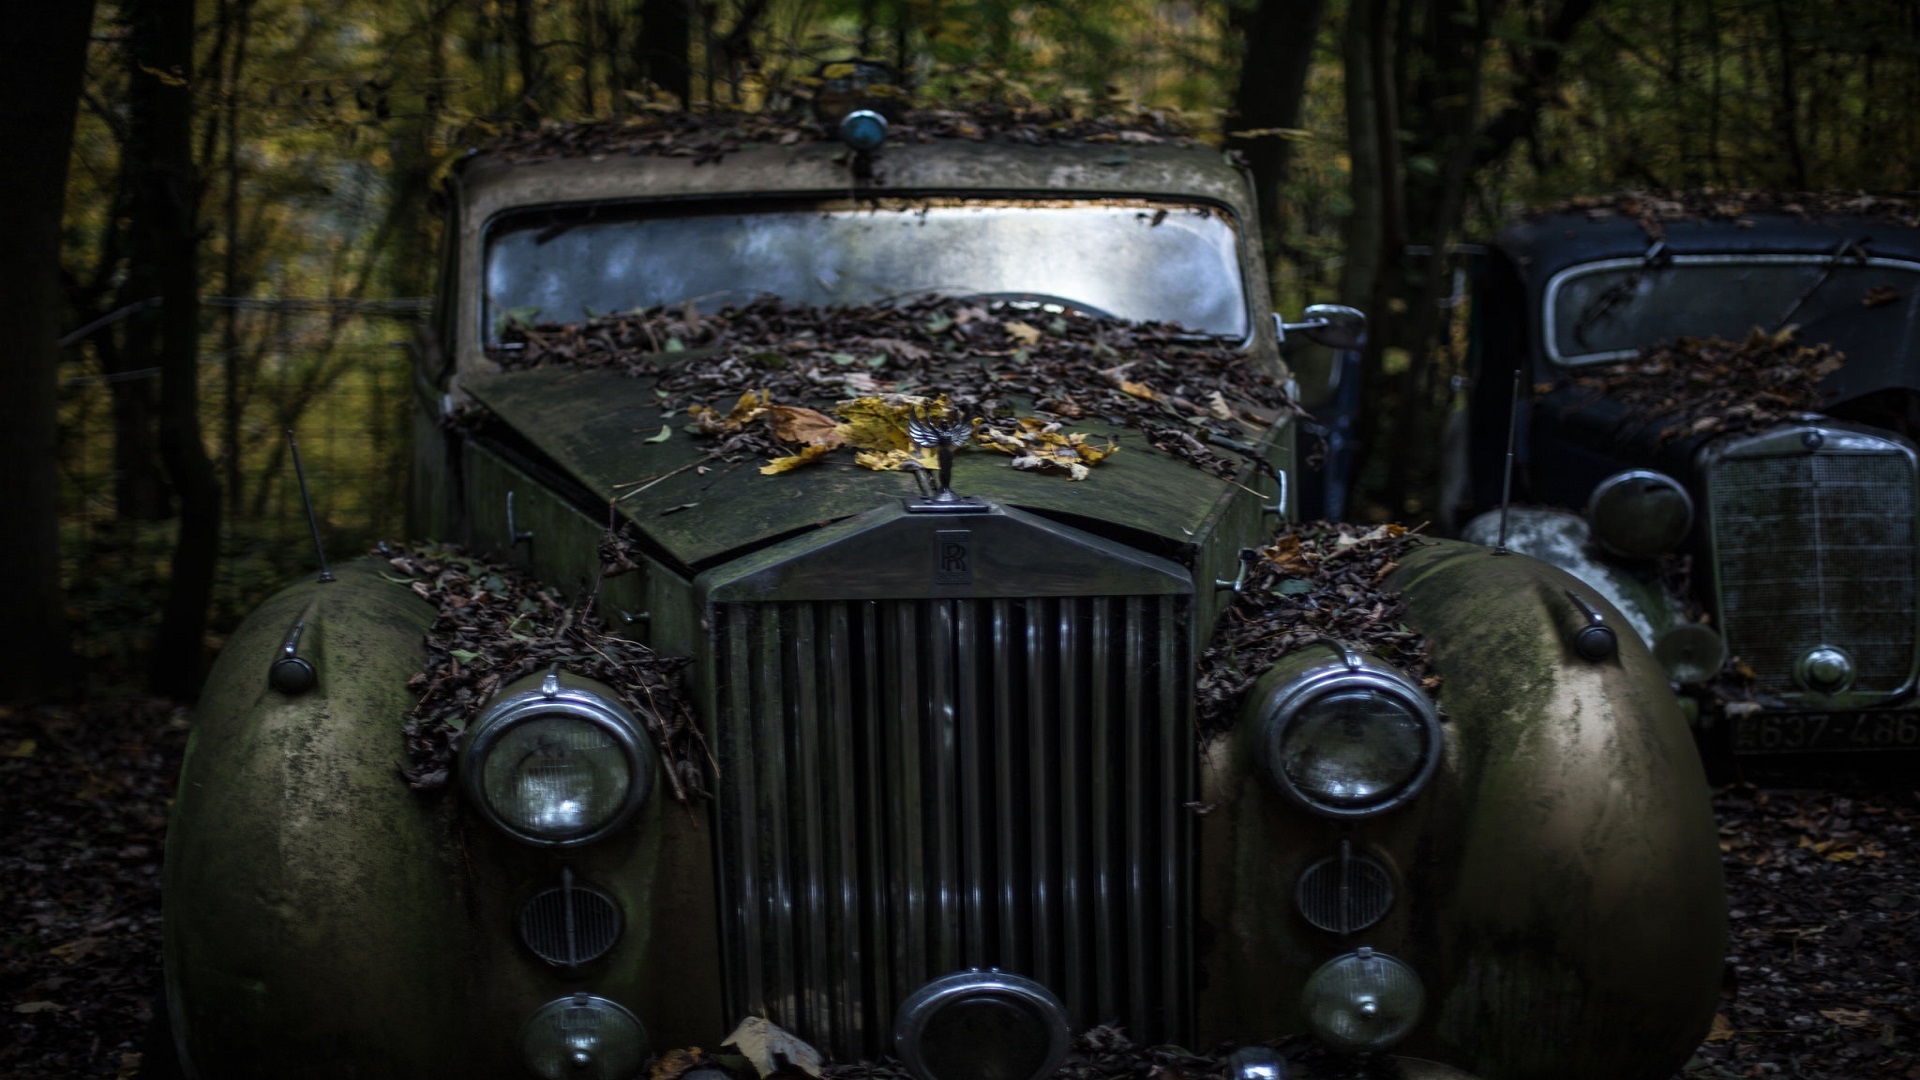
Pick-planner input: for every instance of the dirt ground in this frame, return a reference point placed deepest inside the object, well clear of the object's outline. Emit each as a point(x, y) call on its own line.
point(1823, 876)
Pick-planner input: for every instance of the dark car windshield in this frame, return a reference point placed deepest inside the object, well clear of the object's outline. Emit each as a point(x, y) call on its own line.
point(1137, 260)
point(1609, 310)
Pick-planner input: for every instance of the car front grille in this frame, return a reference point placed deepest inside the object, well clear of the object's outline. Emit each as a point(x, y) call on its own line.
point(911, 788)
point(1817, 549)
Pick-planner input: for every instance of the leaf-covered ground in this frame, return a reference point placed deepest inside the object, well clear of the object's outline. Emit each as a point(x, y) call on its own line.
point(1823, 876)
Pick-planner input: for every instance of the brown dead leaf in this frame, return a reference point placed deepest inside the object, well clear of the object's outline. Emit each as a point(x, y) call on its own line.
point(809, 427)
point(771, 1048)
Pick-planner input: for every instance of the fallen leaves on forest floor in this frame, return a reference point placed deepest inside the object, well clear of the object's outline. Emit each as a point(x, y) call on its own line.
point(84, 794)
point(1315, 581)
point(1711, 386)
point(496, 625)
point(1017, 368)
point(1823, 887)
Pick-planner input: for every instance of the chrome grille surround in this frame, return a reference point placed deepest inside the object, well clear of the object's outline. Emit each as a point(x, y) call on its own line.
point(911, 787)
point(1813, 543)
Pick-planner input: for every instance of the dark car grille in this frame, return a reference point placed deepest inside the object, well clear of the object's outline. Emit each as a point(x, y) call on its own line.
point(1817, 549)
point(911, 788)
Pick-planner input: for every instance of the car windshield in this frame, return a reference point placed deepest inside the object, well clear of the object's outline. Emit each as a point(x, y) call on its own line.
point(1138, 260)
point(1610, 310)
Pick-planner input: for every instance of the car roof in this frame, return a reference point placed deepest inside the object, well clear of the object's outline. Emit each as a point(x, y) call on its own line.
point(1545, 244)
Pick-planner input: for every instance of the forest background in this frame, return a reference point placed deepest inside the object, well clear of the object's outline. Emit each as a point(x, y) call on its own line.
point(221, 223)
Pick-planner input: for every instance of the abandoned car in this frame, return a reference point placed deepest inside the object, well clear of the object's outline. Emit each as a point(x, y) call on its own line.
point(1716, 430)
point(949, 801)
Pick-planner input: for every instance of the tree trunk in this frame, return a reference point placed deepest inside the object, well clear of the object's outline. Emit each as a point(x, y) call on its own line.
point(666, 40)
point(42, 62)
point(166, 239)
point(1279, 36)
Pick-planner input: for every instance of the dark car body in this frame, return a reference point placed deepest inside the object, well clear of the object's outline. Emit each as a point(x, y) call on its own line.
point(935, 770)
point(1802, 546)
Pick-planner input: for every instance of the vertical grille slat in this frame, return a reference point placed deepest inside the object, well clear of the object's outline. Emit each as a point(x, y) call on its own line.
point(917, 787)
point(1818, 549)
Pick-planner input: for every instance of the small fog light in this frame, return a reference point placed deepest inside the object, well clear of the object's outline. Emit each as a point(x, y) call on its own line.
point(583, 1037)
point(981, 1025)
point(1691, 652)
point(1363, 1001)
point(1640, 513)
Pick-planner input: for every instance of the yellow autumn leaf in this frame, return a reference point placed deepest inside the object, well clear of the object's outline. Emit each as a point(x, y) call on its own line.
point(1139, 390)
point(806, 456)
point(749, 407)
point(890, 460)
point(880, 422)
point(1722, 1029)
point(1022, 333)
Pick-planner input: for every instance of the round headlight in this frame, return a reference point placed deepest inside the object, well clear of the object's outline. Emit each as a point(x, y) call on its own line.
point(557, 763)
point(1640, 513)
point(1363, 1001)
point(583, 1037)
point(1348, 737)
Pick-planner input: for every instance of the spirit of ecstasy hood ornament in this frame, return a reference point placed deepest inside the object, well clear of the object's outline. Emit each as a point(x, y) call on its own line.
point(942, 437)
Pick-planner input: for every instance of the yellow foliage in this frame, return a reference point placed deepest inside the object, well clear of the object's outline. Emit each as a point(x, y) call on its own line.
point(807, 456)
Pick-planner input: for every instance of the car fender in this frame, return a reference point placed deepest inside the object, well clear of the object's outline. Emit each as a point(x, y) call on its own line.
point(322, 919)
point(1558, 882)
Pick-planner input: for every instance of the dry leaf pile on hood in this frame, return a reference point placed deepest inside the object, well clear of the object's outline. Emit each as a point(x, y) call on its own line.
point(1025, 372)
point(494, 626)
point(1713, 386)
point(1316, 580)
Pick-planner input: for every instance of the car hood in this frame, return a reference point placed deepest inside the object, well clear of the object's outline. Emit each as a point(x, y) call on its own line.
point(596, 426)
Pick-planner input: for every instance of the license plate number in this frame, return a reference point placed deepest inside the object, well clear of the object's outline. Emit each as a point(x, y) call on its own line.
point(1788, 733)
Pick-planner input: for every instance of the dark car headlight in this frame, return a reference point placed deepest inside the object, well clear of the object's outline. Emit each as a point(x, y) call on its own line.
point(1347, 735)
point(557, 761)
point(1640, 513)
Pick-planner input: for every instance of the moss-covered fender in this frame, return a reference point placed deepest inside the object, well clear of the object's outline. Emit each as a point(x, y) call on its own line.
point(1558, 882)
point(323, 920)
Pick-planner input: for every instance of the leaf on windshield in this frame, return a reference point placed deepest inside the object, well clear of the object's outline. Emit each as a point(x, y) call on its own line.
point(807, 456)
point(749, 408)
point(666, 432)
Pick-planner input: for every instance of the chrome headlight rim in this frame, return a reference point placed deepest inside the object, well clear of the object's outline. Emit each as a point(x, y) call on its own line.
point(1346, 671)
point(1614, 488)
point(558, 694)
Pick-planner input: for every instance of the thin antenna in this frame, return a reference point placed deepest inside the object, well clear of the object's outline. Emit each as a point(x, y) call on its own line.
point(1506, 483)
point(314, 526)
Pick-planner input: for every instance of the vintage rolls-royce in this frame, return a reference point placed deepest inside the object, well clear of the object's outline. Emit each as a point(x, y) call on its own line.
point(954, 805)
point(1717, 431)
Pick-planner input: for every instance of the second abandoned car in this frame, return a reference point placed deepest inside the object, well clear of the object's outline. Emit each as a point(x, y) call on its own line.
point(1727, 388)
point(960, 808)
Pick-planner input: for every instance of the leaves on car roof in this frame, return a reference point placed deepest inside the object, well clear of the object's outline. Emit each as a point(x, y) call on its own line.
point(710, 136)
point(1023, 367)
point(1314, 581)
point(1654, 209)
point(1710, 386)
point(496, 625)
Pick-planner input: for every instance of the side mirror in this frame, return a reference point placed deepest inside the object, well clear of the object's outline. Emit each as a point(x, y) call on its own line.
point(1334, 325)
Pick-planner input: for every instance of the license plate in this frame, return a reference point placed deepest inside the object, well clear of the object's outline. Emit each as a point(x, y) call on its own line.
point(1789, 733)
